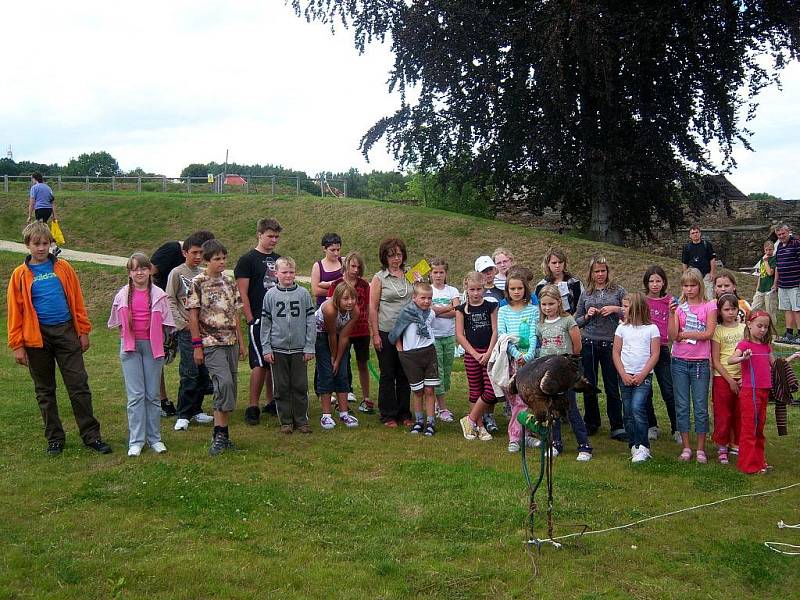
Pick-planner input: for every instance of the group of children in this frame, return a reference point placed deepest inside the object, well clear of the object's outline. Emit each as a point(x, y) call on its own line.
point(502, 321)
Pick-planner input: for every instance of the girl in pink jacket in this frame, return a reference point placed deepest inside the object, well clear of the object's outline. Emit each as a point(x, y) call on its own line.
point(141, 311)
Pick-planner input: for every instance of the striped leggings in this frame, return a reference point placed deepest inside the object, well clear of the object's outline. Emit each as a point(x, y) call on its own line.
point(478, 379)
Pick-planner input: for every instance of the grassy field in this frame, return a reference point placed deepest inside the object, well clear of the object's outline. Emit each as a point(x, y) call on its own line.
point(366, 513)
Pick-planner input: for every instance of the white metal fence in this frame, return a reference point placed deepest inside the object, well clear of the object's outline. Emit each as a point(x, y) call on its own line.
point(219, 184)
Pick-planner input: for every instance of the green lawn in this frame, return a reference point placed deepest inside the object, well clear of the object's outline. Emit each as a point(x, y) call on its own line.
point(454, 510)
point(366, 513)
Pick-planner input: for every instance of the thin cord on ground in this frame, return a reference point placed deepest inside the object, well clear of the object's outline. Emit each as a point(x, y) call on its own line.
point(676, 512)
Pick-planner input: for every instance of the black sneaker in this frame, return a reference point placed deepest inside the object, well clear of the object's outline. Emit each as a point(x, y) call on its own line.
point(218, 445)
point(55, 448)
point(490, 424)
point(252, 415)
point(99, 446)
point(168, 408)
point(271, 409)
point(416, 427)
point(429, 429)
point(56, 251)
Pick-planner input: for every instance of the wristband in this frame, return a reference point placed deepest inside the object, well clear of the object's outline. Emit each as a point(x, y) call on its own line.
point(197, 342)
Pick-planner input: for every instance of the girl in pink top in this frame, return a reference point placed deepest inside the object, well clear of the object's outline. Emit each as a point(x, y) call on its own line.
point(755, 355)
point(141, 311)
point(690, 329)
point(658, 301)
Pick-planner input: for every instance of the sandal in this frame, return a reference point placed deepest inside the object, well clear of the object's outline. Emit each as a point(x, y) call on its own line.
point(701, 457)
point(390, 423)
point(722, 456)
point(686, 455)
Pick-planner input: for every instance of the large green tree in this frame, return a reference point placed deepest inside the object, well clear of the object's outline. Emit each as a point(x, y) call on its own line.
point(94, 164)
point(606, 109)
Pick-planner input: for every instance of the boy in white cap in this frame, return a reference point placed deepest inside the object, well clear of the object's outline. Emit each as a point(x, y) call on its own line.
point(485, 265)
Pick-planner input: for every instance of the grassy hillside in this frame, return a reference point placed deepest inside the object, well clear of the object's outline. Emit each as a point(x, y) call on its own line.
point(123, 222)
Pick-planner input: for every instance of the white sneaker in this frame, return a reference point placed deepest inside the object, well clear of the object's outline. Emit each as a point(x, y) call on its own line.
point(584, 456)
point(327, 422)
point(351, 398)
point(158, 447)
point(483, 435)
point(652, 433)
point(349, 420)
point(135, 450)
point(513, 446)
point(677, 437)
point(181, 425)
point(552, 450)
point(642, 454)
point(203, 418)
point(532, 442)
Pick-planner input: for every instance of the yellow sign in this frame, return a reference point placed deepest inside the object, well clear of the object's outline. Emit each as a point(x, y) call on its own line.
point(418, 271)
point(210, 178)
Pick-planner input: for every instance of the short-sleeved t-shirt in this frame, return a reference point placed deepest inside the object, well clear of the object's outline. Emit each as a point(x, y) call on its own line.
point(699, 256)
point(787, 258)
point(361, 328)
point(701, 348)
point(218, 300)
point(412, 340)
point(636, 341)
point(554, 336)
point(478, 322)
point(493, 294)
point(659, 315)
point(260, 269)
point(727, 338)
point(443, 327)
point(765, 281)
point(168, 256)
point(42, 195)
point(759, 361)
point(47, 295)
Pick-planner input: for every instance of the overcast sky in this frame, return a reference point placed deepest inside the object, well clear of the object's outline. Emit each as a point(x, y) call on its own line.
point(161, 85)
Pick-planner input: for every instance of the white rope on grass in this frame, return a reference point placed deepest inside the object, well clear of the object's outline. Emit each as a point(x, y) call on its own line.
point(682, 510)
point(775, 545)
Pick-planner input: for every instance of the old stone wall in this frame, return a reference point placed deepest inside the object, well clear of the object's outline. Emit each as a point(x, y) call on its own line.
point(738, 239)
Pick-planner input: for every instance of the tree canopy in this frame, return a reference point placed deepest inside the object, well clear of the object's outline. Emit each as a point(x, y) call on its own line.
point(605, 109)
point(99, 164)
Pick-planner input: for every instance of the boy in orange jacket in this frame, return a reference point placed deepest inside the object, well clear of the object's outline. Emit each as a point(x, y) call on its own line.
point(47, 324)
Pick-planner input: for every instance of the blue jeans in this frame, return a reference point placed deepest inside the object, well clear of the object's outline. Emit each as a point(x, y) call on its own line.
point(663, 373)
point(634, 405)
point(577, 424)
point(325, 381)
point(598, 354)
point(690, 380)
point(142, 375)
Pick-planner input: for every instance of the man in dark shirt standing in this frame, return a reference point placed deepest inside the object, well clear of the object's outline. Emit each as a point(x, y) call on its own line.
point(255, 273)
point(787, 282)
point(699, 254)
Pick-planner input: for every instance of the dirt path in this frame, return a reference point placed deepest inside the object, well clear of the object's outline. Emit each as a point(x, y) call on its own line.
point(93, 257)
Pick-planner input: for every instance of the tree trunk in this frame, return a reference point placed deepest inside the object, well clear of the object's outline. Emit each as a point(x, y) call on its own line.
point(600, 227)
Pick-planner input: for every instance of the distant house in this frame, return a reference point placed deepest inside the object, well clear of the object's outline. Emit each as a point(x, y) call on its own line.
point(234, 179)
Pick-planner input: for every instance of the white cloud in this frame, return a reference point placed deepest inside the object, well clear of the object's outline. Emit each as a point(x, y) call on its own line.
point(164, 84)
point(160, 85)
